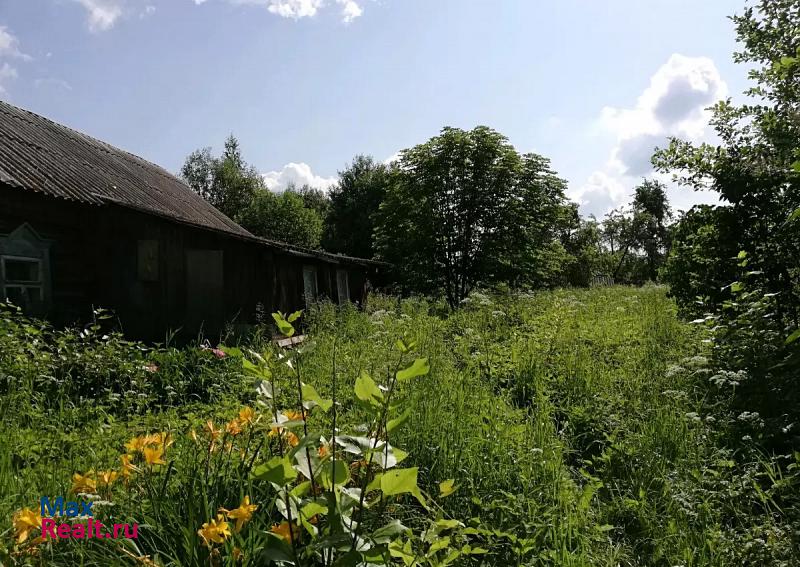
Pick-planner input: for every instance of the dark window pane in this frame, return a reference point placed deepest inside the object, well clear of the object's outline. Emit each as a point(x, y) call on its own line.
point(21, 270)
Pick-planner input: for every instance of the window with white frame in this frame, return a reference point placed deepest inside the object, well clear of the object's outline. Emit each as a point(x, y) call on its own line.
point(25, 270)
point(23, 282)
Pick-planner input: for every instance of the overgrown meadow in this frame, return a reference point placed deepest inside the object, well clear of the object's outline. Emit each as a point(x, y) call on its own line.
point(578, 427)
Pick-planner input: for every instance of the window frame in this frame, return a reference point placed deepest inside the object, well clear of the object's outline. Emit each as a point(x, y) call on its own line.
point(25, 285)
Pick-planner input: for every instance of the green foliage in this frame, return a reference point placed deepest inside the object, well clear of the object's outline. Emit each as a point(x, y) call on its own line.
point(757, 305)
point(561, 428)
point(226, 182)
point(465, 208)
point(238, 190)
point(354, 202)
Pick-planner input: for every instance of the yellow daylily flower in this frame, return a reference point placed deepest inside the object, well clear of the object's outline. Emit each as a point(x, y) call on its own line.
point(105, 478)
point(247, 416)
point(284, 532)
point(84, 483)
point(233, 427)
point(137, 444)
point(212, 430)
point(152, 455)
point(215, 531)
point(127, 467)
point(25, 521)
point(292, 415)
point(242, 514)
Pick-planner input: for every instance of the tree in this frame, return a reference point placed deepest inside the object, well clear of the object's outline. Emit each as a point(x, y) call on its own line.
point(238, 190)
point(226, 182)
point(651, 212)
point(354, 202)
point(283, 217)
point(465, 208)
point(755, 169)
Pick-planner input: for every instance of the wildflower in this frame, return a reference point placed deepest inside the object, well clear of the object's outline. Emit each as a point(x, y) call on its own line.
point(219, 353)
point(215, 531)
point(242, 514)
point(152, 455)
point(293, 415)
point(84, 484)
point(285, 532)
point(233, 427)
point(127, 467)
point(106, 478)
point(25, 521)
point(292, 439)
point(137, 444)
point(247, 416)
point(160, 438)
point(212, 430)
point(323, 451)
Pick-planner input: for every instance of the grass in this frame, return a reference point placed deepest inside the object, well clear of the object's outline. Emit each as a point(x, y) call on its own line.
point(575, 423)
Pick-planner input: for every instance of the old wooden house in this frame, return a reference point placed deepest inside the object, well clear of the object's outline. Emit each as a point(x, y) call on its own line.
point(84, 225)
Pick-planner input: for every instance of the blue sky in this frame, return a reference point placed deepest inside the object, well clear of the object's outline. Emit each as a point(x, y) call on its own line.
point(307, 84)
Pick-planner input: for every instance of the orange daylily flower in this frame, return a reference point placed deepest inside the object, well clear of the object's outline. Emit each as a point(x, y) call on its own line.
point(215, 531)
point(25, 521)
point(285, 532)
point(242, 514)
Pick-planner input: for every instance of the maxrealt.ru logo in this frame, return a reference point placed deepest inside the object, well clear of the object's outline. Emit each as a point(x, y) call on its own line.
point(58, 508)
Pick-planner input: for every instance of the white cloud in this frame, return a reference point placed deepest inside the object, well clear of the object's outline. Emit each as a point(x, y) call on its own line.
point(673, 104)
point(7, 72)
point(9, 45)
point(350, 10)
point(102, 14)
point(297, 174)
point(297, 9)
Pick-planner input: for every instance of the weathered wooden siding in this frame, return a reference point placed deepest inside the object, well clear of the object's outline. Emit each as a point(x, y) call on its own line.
point(95, 263)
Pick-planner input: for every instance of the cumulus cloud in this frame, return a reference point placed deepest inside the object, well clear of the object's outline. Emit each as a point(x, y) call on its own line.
point(9, 49)
point(673, 104)
point(297, 9)
point(7, 72)
point(9, 45)
point(102, 14)
point(297, 174)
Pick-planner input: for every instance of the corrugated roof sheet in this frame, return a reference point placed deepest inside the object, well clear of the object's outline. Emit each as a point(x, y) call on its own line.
point(38, 154)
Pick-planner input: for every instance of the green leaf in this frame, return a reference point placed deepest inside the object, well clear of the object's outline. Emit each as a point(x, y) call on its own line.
point(367, 391)
point(443, 525)
point(447, 487)
point(796, 214)
point(742, 255)
point(399, 481)
point(737, 287)
point(402, 481)
point(389, 531)
point(793, 337)
point(312, 398)
point(286, 328)
point(796, 166)
point(338, 474)
point(393, 424)
point(419, 368)
point(402, 551)
point(439, 544)
point(295, 316)
point(278, 470)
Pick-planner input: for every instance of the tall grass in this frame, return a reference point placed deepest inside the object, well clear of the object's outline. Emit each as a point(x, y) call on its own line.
point(574, 423)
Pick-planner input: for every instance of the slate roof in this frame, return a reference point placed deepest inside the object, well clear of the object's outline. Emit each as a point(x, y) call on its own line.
point(40, 155)
point(37, 154)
